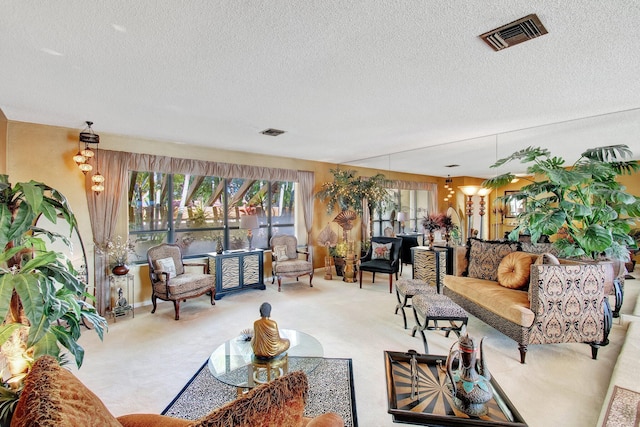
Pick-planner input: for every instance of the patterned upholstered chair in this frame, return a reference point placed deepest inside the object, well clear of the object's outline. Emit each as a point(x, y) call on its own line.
point(387, 263)
point(171, 282)
point(286, 263)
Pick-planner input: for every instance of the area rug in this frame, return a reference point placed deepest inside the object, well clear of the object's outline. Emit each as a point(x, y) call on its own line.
point(624, 408)
point(330, 390)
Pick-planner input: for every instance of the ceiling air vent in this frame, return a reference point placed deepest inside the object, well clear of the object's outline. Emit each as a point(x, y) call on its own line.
point(519, 31)
point(272, 132)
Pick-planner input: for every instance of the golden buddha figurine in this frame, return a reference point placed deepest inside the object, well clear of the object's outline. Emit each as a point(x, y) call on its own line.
point(266, 341)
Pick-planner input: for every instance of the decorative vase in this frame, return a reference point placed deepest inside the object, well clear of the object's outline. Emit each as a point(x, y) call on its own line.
point(432, 238)
point(447, 237)
point(120, 270)
point(219, 247)
point(339, 262)
point(470, 382)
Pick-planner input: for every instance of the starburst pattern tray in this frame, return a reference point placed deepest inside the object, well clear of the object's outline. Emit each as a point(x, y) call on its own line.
point(426, 400)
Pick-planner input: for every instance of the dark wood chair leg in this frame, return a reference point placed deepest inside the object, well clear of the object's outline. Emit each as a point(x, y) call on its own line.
point(523, 352)
point(153, 301)
point(279, 283)
point(374, 277)
point(213, 297)
point(391, 282)
point(311, 279)
point(360, 279)
point(176, 306)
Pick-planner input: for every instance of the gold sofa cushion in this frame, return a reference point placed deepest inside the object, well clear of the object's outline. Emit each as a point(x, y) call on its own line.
point(510, 304)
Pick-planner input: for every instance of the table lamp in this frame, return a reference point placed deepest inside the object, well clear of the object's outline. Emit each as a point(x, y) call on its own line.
point(402, 217)
point(249, 222)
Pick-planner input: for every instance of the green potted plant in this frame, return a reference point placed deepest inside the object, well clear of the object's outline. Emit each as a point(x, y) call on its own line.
point(584, 199)
point(42, 299)
point(338, 252)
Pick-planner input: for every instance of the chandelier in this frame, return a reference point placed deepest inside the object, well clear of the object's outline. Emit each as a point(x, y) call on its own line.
point(88, 142)
point(448, 188)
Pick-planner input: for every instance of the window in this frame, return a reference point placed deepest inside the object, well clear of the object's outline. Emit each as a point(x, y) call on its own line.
point(415, 203)
point(197, 211)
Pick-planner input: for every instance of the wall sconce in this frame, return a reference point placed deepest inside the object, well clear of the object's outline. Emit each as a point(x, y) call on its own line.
point(402, 217)
point(86, 153)
point(469, 191)
point(249, 222)
point(482, 192)
point(448, 187)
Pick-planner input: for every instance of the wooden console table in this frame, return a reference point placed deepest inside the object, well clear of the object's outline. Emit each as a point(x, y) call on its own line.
point(237, 270)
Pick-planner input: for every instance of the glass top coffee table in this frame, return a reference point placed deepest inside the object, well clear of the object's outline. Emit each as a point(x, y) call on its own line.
point(234, 363)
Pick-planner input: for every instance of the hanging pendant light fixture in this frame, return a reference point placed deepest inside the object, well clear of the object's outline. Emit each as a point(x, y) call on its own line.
point(86, 153)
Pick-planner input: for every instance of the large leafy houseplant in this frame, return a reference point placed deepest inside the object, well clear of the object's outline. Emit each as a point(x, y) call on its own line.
point(42, 298)
point(583, 200)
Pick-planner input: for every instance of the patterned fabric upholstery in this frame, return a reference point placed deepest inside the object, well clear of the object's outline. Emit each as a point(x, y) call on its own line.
point(436, 305)
point(566, 305)
point(411, 287)
point(485, 256)
point(292, 266)
point(569, 304)
point(184, 285)
point(539, 248)
point(291, 243)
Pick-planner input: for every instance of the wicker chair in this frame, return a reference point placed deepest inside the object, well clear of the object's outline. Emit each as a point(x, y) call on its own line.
point(170, 281)
point(285, 259)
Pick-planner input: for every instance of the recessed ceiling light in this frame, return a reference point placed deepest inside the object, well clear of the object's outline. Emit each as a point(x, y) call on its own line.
point(272, 132)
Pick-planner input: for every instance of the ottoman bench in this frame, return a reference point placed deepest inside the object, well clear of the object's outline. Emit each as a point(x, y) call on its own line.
point(428, 309)
point(406, 289)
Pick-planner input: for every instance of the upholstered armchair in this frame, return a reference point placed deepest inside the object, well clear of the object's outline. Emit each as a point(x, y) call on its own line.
point(170, 281)
point(284, 251)
point(383, 257)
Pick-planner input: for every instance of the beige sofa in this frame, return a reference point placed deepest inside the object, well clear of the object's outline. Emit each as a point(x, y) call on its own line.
point(563, 303)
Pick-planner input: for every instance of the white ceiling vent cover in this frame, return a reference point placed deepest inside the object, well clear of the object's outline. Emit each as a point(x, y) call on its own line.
point(519, 31)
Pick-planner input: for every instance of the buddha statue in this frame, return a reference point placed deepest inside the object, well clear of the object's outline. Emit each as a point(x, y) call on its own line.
point(266, 341)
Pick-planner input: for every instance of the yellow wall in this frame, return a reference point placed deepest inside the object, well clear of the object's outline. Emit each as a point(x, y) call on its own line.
point(44, 153)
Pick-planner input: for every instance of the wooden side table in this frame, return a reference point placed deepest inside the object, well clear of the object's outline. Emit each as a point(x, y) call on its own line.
point(121, 296)
point(429, 265)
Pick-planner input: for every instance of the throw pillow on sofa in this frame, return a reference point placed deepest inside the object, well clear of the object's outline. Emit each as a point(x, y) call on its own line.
point(514, 270)
point(484, 257)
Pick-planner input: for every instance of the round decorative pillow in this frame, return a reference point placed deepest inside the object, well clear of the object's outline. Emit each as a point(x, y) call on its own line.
point(514, 269)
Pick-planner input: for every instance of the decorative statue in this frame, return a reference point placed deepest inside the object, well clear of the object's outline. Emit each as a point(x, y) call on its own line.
point(266, 342)
point(470, 381)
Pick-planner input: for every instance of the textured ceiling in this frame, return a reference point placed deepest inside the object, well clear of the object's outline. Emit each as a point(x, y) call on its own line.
point(346, 80)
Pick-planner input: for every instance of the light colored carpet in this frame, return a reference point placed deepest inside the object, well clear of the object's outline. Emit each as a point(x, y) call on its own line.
point(145, 361)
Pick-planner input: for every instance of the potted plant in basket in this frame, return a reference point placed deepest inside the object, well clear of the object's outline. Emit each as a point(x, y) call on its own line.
point(584, 198)
point(42, 299)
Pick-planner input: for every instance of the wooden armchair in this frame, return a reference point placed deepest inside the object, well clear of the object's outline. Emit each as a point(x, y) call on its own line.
point(170, 281)
point(382, 259)
point(285, 259)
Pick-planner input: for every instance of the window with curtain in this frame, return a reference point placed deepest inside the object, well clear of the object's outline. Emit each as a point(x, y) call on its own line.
point(196, 212)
